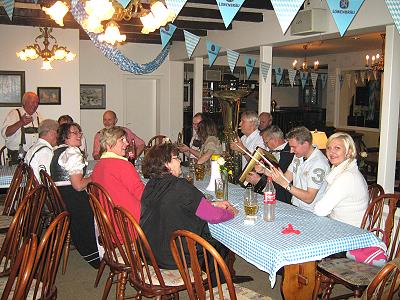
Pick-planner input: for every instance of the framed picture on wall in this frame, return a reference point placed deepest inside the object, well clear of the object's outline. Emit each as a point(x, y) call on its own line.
point(93, 96)
point(49, 95)
point(12, 87)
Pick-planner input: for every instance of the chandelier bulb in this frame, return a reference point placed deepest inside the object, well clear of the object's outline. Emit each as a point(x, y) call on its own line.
point(57, 12)
point(46, 65)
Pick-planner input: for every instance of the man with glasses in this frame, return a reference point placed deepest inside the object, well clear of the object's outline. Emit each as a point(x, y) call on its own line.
point(195, 142)
point(274, 141)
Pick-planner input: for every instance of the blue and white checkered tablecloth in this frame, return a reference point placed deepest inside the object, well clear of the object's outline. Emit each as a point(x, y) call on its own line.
point(264, 246)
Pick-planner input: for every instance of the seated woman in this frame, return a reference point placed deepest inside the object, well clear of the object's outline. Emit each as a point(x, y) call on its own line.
point(207, 133)
point(116, 174)
point(346, 197)
point(170, 203)
point(68, 169)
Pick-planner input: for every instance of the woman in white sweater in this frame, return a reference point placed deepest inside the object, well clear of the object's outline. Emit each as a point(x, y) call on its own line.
point(346, 197)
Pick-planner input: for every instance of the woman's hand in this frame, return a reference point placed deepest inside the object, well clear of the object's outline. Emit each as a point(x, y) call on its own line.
point(226, 205)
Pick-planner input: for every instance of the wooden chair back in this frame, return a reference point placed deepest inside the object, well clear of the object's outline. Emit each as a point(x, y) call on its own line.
point(21, 270)
point(184, 242)
point(54, 202)
point(155, 140)
point(26, 221)
point(375, 190)
point(104, 198)
point(145, 276)
point(22, 182)
point(3, 156)
point(386, 283)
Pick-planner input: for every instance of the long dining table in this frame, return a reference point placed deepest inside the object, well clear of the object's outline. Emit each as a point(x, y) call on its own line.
point(264, 245)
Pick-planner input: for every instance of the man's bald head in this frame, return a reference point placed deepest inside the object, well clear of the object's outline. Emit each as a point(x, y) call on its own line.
point(30, 102)
point(109, 119)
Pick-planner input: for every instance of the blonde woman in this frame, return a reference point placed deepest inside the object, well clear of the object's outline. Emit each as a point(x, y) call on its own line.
point(346, 197)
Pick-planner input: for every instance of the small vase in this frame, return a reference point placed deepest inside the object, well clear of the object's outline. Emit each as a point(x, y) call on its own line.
point(224, 177)
point(214, 175)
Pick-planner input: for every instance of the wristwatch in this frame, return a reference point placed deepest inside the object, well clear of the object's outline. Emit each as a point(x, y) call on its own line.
point(289, 187)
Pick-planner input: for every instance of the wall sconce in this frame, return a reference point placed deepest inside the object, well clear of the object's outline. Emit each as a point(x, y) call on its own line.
point(319, 139)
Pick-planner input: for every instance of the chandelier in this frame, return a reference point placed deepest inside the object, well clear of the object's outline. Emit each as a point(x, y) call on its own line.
point(48, 55)
point(101, 10)
point(304, 66)
point(378, 60)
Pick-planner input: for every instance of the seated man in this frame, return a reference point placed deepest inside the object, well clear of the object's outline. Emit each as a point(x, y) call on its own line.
point(110, 120)
point(274, 140)
point(265, 121)
point(40, 154)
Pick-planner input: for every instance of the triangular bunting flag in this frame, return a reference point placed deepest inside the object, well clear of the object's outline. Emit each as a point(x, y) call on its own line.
point(314, 77)
point(303, 78)
point(394, 9)
point(324, 79)
point(191, 42)
point(285, 11)
point(343, 12)
point(233, 57)
point(249, 63)
point(362, 75)
point(278, 74)
point(124, 3)
point(166, 33)
point(175, 5)
point(212, 51)
point(264, 69)
point(341, 80)
point(348, 79)
point(8, 7)
point(292, 75)
point(229, 9)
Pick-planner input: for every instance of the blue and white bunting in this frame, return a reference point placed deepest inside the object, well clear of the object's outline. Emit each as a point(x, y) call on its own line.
point(191, 42)
point(394, 9)
point(278, 74)
point(343, 12)
point(175, 5)
point(264, 69)
point(166, 33)
point(314, 77)
point(324, 79)
point(8, 7)
point(212, 51)
point(285, 11)
point(249, 63)
point(303, 78)
point(292, 75)
point(232, 57)
point(124, 3)
point(229, 9)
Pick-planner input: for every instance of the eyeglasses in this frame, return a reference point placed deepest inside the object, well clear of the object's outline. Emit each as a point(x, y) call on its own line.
point(78, 133)
point(267, 141)
point(123, 139)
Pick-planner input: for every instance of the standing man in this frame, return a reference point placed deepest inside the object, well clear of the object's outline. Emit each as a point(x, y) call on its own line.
point(195, 142)
point(274, 141)
point(110, 120)
point(307, 170)
point(251, 138)
point(20, 128)
point(265, 121)
point(40, 154)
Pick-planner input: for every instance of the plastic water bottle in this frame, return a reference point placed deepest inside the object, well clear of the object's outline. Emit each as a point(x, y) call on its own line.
point(269, 201)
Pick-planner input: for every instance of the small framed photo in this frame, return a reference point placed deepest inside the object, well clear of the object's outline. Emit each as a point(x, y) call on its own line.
point(12, 87)
point(49, 95)
point(93, 96)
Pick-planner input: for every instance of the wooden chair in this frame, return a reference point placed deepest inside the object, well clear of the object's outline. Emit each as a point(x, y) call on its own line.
point(23, 181)
point(356, 276)
point(114, 254)
point(375, 190)
point(3, 156)
point(186, 248)
point(15, 285)
point(55, 205)
point(26, 221)
point(146, 277)
point(155, 140)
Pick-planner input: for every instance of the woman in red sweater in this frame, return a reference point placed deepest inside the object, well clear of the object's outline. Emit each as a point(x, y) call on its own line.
point(116, 174)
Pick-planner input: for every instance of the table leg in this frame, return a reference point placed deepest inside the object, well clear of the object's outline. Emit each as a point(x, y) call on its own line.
point(299, 281)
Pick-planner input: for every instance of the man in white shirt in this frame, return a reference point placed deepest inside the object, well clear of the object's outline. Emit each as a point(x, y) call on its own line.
point(20, 128)
point(40, 154)
point(307, 170)
point(251, 138)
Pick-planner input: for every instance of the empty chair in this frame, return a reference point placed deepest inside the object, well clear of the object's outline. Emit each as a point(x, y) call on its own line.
point(146, 277)
point(204, 267)
point(375, 190)
point(155, 140)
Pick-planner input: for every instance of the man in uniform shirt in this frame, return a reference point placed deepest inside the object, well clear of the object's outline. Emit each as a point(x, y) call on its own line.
point(307, 170)
point(20, 128)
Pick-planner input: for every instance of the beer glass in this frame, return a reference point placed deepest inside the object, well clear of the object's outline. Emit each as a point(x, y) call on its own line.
point(250, 202)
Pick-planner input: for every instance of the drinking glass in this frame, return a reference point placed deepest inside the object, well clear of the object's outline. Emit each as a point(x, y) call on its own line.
point(189, 176)
point(199, 171)
point(250, 202)
point(219, 189)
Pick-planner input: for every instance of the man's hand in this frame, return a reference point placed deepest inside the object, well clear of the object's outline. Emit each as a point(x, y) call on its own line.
point(25, 119)
point(253, 178)
point(183, 148)
point(237, 146)
point(278, 177)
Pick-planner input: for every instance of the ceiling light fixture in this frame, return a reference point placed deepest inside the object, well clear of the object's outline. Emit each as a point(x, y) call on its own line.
point(112, 35)
point(304, 65)
point(48, 55)
point(57, 12)
point(378, 60)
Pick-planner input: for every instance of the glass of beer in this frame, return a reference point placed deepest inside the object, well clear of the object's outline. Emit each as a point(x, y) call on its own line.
point(189, 176)
point(250, 202)
point(219, 189)
point(199, 171)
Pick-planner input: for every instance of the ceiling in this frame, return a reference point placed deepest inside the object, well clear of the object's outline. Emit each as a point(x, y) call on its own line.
point(197, 16)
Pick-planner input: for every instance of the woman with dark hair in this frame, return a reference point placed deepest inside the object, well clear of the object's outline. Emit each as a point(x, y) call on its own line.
point(68, 168)
point(170, 203)
point(207, 133)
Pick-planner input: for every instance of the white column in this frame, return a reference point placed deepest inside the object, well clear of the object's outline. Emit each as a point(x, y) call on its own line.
point(264, 100)
point(390, 111)
point(198, 85)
